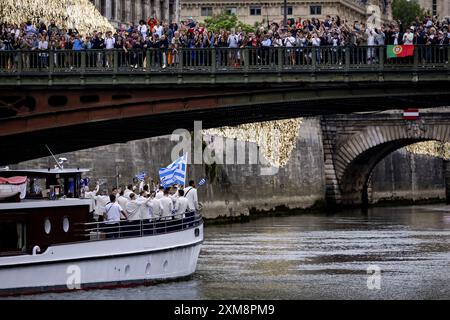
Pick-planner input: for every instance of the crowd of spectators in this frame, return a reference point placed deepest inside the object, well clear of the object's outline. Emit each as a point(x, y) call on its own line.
point(170, 37)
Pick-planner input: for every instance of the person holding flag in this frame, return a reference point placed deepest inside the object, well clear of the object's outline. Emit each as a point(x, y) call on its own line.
point(201, 182)
point(402, 50)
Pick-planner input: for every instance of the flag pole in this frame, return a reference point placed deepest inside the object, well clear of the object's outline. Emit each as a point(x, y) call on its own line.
point(186, 170)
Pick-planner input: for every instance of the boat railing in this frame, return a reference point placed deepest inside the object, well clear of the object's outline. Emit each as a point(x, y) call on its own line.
point(139, 228)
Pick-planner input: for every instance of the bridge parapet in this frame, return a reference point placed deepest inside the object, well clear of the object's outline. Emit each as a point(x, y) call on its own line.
point(221, 65)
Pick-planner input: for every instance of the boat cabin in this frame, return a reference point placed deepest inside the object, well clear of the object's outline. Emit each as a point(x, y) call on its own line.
point(46, 212)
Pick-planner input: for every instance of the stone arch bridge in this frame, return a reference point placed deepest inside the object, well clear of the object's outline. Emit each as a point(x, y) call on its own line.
point(355, 144)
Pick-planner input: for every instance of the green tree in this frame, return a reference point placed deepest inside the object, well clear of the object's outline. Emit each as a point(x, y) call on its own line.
point(227, 22)
point(406, 11)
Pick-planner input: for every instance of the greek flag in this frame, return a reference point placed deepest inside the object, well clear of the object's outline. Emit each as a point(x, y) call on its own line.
point(84, 182)
point(141, 176)
point(174, 172)
point(201, 182)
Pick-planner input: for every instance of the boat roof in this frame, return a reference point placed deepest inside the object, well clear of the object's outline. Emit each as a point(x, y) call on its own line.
point(43, 203)
point(45, 171)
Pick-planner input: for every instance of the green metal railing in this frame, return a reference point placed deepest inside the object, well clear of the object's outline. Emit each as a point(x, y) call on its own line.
point(219, 60)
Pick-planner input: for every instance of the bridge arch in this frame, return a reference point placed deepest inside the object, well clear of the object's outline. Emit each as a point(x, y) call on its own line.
point(356, 158)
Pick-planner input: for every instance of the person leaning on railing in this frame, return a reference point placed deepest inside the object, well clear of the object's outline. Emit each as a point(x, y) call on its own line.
point(43, 51)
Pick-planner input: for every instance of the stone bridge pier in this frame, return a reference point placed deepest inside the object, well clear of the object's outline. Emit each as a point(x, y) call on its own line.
point(355, 144)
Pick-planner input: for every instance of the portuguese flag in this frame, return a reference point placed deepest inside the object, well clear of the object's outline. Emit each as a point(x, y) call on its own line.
point(398, 51)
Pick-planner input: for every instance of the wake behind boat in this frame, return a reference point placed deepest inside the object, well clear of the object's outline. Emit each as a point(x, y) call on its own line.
point(48, 245)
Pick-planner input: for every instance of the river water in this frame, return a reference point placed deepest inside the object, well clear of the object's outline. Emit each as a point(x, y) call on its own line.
point(315, 256)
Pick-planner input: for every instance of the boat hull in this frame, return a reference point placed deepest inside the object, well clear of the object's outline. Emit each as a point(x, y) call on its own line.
point(103, 263)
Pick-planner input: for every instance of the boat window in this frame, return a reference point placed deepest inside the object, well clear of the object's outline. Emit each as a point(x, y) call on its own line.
point(36, 188)
point(47, 226)
point(12, 236)
point(70, 187)
point(61, 183)
point(66, 224)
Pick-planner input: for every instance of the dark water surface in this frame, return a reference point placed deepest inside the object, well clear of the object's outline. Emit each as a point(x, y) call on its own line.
point(314, 256)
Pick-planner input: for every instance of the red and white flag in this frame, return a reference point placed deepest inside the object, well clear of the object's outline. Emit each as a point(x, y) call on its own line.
point(411, 114)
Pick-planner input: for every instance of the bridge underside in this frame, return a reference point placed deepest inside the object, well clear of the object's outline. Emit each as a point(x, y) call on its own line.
point(354, 182)
point(90, 118)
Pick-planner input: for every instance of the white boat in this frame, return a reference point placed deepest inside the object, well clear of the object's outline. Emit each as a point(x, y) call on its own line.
point(49, 245)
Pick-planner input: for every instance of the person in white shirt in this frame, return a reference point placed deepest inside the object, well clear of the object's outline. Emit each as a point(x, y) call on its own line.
point(191, 195)
point(109, 41)
point(109, 45)
point(122, 201)
point(289, 41)
point(155, 208)
point(113, 213)
point(137, 208)
point(91, 195)
point(158, 29)
point(233, 43)
point(371, 36)
point(267, 42)
point(315, 42)
point(43, 54)
point(174, 194)
point(233, 40)
point(160, 193)
point(100, 203)
point(181, 204)
point(128, 191)
point(408, 37)
point(166, 205)
point(143, 28)
point(277, 41)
